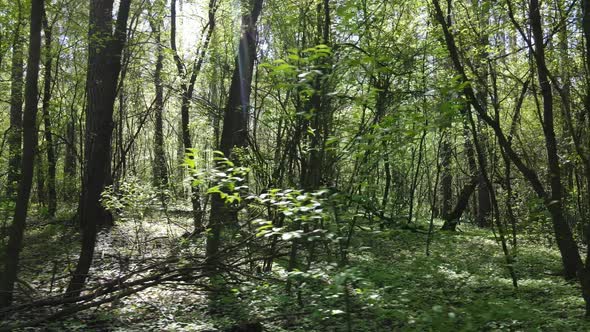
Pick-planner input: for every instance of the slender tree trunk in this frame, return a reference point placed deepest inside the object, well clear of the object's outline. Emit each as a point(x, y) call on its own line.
point(16, 232)
point(187, 89)
point(437, 172)
point(104, 66)
point(388, 180)
point(414, 183)
point(446, 180)
point(50, 148)
point(452, 217)
point(70, 157)
point(509, 200)
point(585, 154)
point(16, 107)
point(118, 139)
point(40, 172)
point(160, 170)
point(501, 230)
point(570, 256)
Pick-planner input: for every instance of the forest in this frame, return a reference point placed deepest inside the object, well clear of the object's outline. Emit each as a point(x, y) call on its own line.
point(294, 165)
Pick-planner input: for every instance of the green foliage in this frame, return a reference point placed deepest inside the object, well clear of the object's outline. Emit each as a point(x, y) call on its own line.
point(451, 103)
point(361, 94)
point(300, 70)
point(226, 179)
point(299, 210)
point(131, 201)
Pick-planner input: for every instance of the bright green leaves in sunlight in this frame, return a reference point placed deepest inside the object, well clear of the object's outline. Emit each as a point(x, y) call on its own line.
point(300, 68)
point(224, 179)
point(296, 209)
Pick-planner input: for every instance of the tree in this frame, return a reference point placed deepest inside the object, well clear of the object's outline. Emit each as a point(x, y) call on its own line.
point(104, 65)
point(570, 256)
point(47, 89)
point(235, 118)
point(187, 92)
point(160, 169)
point(16, 105)
point(17, 229)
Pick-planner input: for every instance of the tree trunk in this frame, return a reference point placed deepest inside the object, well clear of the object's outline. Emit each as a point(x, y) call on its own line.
point(40, 172)
point(484, 206)
point(104, 66)
point(160, 170)
point(235, 121)
point(554, 201)
point(484, 202)
point(416, 174)
point(499, 225)
point(584, 274)
point(187, 95)
point(70, 158)
point(50, 148)
point(16, 232)
point(452, 217)
point(446, 176)
point(16, 107)
point(570, 256)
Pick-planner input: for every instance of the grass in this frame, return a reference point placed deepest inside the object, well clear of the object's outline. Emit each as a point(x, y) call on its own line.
point(389, 285)
point(464, 285)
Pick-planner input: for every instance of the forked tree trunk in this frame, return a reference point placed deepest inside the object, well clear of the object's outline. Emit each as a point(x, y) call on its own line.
point(104, 66)
point(451, 219)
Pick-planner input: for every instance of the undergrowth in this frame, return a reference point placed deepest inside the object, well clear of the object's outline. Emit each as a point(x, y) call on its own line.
point(390, 284)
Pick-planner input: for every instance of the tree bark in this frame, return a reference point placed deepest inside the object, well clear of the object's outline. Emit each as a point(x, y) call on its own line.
point(16, 232)
point(484, 202)
point(446, 176)
point(453, 216)
point(50, 148)
point(16, 107)
point(585, 153)
point(40, 172)
point(235, 122)
point(104, 66)
point(570, 254)
point(70, 158)
point(160, 170)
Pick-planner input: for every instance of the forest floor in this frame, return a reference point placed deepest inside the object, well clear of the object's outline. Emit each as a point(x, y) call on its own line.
point(390, 284)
